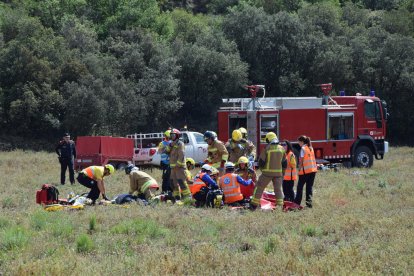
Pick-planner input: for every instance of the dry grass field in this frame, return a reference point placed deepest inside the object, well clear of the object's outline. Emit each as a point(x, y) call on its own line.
point(362, 223)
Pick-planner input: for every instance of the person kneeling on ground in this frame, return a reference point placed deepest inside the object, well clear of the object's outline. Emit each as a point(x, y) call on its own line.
point(202, 185)
point(93, 178)
point(246, 173)
point(141, 183)
point(230, 184)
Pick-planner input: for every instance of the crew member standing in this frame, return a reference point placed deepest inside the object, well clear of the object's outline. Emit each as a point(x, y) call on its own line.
point(217, 152)
point(66, 152)
point(163, 149)
point(307, 171)
point(272, 163)
point(291, 173)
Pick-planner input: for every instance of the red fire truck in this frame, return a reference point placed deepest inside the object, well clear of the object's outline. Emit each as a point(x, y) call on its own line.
point(349, 129)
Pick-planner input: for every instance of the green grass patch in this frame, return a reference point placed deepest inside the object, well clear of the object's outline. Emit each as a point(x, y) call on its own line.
point(271, 244)
point(92, 223)
point(140, 228)
point(4, 223)
point(8, 203)
point(84, 244)
point(14, 238)
point(311, 231)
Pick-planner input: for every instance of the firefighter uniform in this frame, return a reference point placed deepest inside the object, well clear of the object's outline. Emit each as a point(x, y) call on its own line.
point(290, 176)
point(142, 183)
point(239, 149)
point(217, 154)
point(178, 167)
point(271, 164)
point(307, 173)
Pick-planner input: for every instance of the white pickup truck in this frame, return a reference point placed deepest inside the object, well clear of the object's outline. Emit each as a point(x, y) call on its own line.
point(146, 147)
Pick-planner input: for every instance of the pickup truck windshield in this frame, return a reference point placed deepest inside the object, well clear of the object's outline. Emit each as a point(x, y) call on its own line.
point(199, 138)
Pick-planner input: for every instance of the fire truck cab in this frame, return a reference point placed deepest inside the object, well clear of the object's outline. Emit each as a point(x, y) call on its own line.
point(348, 129)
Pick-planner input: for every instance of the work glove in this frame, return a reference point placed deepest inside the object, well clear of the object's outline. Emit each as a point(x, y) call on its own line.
point(104, 197)
point(240, 147)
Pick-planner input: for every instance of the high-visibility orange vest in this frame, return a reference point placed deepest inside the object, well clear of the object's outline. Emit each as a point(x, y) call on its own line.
point(231, 188)
point(91, 170)
point(308, 161)
point(290, 172)
point(197, 184)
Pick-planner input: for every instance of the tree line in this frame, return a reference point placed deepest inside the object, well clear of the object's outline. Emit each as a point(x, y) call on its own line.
point(117, 67)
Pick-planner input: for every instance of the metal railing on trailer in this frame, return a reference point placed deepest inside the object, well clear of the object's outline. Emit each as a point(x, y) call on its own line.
point(140, 137)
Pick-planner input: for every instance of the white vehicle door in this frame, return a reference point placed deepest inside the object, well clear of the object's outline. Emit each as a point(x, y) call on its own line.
point(189, 148)
point(200, 146)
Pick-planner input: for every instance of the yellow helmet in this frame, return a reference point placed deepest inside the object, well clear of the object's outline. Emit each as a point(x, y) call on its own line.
point(214, 171)
point(191, 160)
point(270, 136)
point(110, 168)
point(243, 131)
point(236, 135)
point(167, 133)
point(243, 160)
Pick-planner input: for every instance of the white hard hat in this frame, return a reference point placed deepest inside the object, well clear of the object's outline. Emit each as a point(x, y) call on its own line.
point(206, 167)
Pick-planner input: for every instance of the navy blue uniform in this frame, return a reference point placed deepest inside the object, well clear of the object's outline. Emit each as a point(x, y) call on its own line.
point(67, 153)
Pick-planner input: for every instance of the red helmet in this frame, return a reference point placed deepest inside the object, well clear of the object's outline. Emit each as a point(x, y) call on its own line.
point(175, 134)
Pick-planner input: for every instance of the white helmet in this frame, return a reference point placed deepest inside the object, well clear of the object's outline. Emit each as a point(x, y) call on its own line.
point(229, 165)
point(206, 167)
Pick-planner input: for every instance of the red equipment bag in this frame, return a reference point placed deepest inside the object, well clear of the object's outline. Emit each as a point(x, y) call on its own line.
point(49, 194)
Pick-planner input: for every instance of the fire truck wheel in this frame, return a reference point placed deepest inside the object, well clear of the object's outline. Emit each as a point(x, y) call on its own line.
point(363, 157)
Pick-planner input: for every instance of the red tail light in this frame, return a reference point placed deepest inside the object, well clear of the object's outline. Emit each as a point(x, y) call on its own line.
point(152, 152)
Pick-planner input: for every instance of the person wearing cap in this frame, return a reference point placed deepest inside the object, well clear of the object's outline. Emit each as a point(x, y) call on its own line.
point(272, 163)
point(164, 150)
point(141, 183)
point(93, 178)
point(66, 152)
point(252, 155)
point(230, 184)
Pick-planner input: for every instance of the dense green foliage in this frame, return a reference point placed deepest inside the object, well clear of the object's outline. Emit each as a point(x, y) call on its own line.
point(115, 67)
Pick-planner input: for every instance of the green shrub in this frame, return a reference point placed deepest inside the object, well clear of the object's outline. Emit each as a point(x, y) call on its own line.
point(14, 238)
point(84, 244)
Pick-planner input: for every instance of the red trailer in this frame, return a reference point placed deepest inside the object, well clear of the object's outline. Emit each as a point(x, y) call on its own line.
point(342, 128)
point(101, 150)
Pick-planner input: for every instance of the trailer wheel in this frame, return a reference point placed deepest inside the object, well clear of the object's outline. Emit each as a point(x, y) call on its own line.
point(363, 157)
point(121, 166)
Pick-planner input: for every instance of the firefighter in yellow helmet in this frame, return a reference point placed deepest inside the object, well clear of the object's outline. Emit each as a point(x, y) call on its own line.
point(237, 147)
point(246, 173)
point(272, 163)
point(190, 165)
point(177, 164)
point(93, 178)
point(217, 152)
